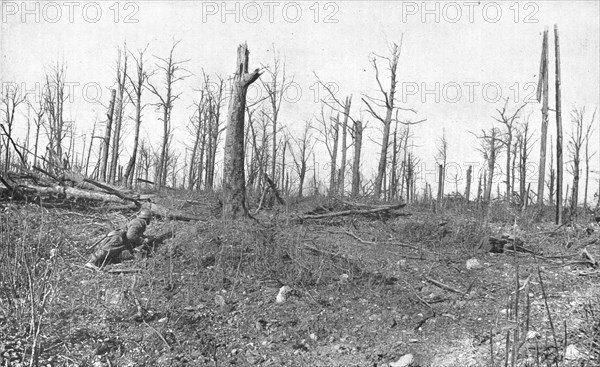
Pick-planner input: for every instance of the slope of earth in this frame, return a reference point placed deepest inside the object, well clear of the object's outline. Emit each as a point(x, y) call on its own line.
point(362, 291)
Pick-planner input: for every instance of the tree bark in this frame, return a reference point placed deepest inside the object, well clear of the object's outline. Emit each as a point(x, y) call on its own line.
point(559, 134)
point(234, 183)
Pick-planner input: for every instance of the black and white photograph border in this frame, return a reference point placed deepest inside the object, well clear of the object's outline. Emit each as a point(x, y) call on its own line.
point(299, 183)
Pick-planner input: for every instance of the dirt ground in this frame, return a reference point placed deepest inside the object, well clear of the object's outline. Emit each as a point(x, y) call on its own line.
point(363, 291)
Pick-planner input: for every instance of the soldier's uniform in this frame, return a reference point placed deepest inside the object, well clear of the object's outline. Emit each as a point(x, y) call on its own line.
point(135, 231)
point(109, 251)
point(120, 244)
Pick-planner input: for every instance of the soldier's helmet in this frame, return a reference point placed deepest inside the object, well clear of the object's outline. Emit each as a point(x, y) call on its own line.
point(145, 214)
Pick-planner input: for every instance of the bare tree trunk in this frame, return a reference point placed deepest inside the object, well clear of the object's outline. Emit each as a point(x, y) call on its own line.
point(552, 177)
point(342, 175)
point(485, 186)
point(89, 153)
point(108, 133)
point(138, 87)
point(37, 140)
point(234, 183)
point(171, 69)
point(469, 178)
point(587, 171)
point(393, 180)
point(358, 128)
point(282, 183)
point(440, 193)
point(389, 102)
point(192, 169)
point(214, 132)
point(543, 94)
point(575, 194)
point(119, 111)
point(513, 166)
point(559, 135)
point(208, 183)
point(508, 161)
point(335, 125)
point(11, 98)
point(409, 179)
point(479, 189)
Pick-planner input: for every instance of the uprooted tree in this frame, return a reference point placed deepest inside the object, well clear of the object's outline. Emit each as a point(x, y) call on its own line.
point(234, 181)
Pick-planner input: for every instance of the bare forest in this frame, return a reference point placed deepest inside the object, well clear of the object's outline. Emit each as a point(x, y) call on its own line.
point(337, 233)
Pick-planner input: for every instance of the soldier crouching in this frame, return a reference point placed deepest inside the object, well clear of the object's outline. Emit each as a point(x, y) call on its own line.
point(119, 245)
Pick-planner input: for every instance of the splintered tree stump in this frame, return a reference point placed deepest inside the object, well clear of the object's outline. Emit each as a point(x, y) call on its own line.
point(234, 181)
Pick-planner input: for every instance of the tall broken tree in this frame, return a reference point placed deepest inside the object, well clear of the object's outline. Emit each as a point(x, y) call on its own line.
point(136, 99)
point(275, 88)
point(489, 146)
point(305, 146)
point(579, 136)
point(10, 99)
point(542, 94)
point(588, 156)
point(468, 187)
point(234, 182)
point(524, 140)
point(559, 134)
point(441, 159)
point(509, 122)
point(356, 133)
point(105, 146)
point(121, 79)
point(329, 135)
point(173, 73)
point(389, 103)
point(55, 95)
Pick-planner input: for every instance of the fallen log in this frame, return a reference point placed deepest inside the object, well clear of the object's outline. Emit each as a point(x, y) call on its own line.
point(381, 209)
point(112, 191)
point(71, 193)
point(162, 212)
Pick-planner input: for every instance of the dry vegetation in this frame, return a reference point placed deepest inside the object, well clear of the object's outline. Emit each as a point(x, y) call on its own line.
point(365, 290)
point(277, 274)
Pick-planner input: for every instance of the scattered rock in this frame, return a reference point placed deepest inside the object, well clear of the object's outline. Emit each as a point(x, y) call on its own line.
point(404, 361)
point(253, 357)
point(114, 296)
point(473, 264)
point(282, 295)
point(533, 335)
point(572, 353)
point(220, 300)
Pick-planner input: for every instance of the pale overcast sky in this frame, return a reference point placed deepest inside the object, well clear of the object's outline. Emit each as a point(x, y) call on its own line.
point(456, 56)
